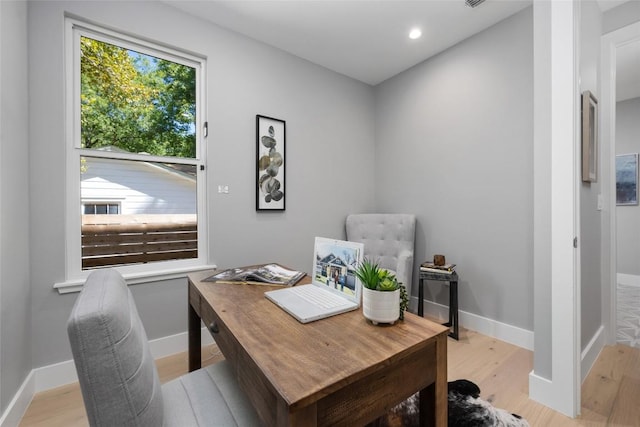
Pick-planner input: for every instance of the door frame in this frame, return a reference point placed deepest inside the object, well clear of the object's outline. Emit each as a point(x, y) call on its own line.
point(609, 44)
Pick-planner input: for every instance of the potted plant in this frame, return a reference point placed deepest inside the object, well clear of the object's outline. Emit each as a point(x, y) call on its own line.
point(384, 299)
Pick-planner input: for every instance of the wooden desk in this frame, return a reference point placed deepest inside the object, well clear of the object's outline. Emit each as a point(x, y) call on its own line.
point(339, 371)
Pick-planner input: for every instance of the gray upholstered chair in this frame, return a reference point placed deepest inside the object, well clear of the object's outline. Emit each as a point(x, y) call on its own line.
point(388, 239)
point(118, 376)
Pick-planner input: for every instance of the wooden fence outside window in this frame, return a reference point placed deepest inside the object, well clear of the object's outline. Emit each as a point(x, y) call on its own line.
point(110, 240)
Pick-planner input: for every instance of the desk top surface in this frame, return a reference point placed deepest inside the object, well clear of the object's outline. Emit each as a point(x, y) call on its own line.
point(308, 361)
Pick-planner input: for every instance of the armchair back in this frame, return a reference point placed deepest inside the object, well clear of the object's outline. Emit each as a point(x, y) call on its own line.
point(388, 239)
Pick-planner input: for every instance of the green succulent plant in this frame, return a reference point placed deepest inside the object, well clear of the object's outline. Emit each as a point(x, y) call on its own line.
point(369, 274)
point(376, 278)
point(379, 279)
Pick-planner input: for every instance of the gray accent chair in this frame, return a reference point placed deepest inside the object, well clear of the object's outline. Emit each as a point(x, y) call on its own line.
point(388, 239)
point(118, 376)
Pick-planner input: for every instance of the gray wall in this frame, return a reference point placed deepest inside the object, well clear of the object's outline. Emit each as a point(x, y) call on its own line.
point(590, 216)
point(454, 145)
point(330, 134)
point(15, 304)
point(628, 217)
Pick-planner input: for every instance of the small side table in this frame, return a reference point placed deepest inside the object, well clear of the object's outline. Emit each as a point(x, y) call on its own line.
point(453, 297)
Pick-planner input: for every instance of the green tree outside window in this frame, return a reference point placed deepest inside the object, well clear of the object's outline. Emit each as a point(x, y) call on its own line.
point(136, 102)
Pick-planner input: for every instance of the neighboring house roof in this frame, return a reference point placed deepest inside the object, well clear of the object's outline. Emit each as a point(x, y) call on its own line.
point(140, 187)
point(187, 171)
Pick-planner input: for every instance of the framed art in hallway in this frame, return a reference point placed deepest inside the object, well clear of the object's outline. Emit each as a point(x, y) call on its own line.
point(589, 137)
point(270, 164)
point(627, 179)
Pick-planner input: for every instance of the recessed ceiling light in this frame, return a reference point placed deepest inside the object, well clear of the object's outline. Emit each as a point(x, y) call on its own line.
point(415, 34)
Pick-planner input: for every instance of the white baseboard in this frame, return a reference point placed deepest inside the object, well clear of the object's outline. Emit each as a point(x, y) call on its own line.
point(628, 279)
point(502, 331)
point(19, 404)
point(541, 390)
point(591, 352)
point(166, 346)
point(62, 373)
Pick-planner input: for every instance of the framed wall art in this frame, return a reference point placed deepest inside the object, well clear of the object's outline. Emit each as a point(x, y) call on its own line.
point(270, 164)
point(589, 137)
point(627, 179)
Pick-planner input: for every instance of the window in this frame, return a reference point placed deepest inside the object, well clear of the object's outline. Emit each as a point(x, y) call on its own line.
point(136, 155)
point(100, 209)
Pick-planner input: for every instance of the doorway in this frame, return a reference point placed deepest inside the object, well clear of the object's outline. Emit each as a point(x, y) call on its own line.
point(621, 90)
point(627, 147)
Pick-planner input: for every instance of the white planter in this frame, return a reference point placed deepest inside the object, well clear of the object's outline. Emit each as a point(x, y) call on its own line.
point(380, 307)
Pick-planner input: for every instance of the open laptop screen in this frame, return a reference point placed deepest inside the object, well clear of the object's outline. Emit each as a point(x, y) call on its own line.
point(334, 265)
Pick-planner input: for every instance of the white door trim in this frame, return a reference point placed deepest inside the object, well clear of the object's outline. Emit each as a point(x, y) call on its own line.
point(559, 388)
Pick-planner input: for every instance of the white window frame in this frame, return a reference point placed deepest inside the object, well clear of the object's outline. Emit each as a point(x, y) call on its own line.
point(162, 270)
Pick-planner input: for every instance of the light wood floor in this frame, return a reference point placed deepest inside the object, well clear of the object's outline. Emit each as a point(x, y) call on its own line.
point(610, 395)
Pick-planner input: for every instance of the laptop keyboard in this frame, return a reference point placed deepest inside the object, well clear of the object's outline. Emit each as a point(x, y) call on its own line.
point(319, 297)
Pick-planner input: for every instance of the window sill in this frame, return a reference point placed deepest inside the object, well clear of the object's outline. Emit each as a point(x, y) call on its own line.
point(75, 285)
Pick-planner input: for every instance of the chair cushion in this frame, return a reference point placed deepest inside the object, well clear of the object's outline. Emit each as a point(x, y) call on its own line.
point(117, 374)
point(207, 397)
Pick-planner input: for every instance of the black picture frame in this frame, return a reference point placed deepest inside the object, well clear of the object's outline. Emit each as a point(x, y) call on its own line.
point(270, 163)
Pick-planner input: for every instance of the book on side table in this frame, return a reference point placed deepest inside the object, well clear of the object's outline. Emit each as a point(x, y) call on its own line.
point(267, 274)
point(441, 269)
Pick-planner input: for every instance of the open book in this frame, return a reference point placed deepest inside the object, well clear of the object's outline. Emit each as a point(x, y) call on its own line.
point(273, 274)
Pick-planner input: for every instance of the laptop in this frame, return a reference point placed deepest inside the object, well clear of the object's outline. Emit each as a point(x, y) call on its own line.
point(334, 288)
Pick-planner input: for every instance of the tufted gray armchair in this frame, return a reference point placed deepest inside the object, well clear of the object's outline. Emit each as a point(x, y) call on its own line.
point(388, 239)
point(118, 377)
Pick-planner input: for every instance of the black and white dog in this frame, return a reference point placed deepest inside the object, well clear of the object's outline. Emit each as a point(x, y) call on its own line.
point(466, 409)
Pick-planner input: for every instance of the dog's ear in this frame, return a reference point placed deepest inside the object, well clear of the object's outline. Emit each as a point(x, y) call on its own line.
point(464, 388)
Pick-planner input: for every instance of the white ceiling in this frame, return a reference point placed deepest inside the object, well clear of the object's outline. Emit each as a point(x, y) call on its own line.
point(363, 39)
point(368, 39)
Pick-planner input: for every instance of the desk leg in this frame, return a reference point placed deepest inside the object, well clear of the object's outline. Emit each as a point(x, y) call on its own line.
point(441, 387)
point(195, 344)
point(306, 416)
point(433, 400)
point(427, 406)
point(420, 297)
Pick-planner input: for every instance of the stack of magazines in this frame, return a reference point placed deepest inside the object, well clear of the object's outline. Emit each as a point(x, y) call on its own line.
point(442, 269)
point(272, 274)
